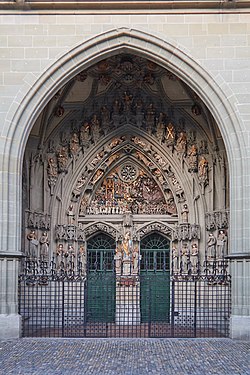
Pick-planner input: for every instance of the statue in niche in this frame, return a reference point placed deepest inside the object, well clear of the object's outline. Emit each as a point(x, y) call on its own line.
point(127, 247)
point(211, 247)
point(181, 143)
point(150, 118)
point(116, 113)
point(33, 244)
point(62, 158)
point(59, 256)
point(95, 129)
point(184, 258)
point(194, 257)
point(135, 260)
point(84, 204)
point(175, 257)
point(71, 215)
point(203, 147)
point(52, 172)
point(160, 128)
point(203, 172)
point(128, 100)
point(118, 259)
point(85, 136)
point(184, 213)
point(139, 115)
point(44, 246)
point(221, 244)
point(82, 258)
point(170, 135)
point(105, 118)
point(71, 252)
point(193, 159)
point(74, 145)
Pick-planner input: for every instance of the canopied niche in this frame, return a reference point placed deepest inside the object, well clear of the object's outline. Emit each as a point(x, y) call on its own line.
point(124, 144)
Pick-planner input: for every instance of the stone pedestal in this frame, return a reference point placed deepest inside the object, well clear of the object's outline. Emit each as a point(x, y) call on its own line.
point(10, 321)
point(240, 317)
point(128, 302)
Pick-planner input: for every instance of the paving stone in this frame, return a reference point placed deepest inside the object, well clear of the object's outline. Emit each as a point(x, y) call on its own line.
point(124, 357)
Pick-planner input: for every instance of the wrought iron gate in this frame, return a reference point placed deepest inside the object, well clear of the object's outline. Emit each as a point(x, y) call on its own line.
point(54, 303)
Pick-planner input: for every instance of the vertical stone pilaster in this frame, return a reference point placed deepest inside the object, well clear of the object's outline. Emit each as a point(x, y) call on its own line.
point(10, 320)
point(240, 318)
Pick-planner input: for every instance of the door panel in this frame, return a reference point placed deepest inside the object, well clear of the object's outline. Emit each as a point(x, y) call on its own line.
point(155, 279)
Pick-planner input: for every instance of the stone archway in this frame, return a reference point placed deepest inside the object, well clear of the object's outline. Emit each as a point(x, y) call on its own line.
point(109, 44)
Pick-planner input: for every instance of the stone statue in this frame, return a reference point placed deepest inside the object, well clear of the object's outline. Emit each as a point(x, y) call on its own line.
point(193, 159)
point(95, 129)
point(203, 171)
point(184, 213)
point(135, 258)
point(44, 246)
point(71, 215)
point(175, 257)
point(33, 244)
point(150, 118)
point(116, 113)
point(211, 246)
point(62, 158)
point(59, 256)
point(127, 245)
point(83, 258)
point(221, 244)
point(74, 145)
point(118, 260)
point(184, 258)
point(170, 135)
point(181, 143)
point(105, 117)
point(52, 173)
point(85, 135)
point(160, 128)
point(139, 115)
point(194, 257)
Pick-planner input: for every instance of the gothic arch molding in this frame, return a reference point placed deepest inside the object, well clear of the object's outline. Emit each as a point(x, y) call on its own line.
point(22, 116)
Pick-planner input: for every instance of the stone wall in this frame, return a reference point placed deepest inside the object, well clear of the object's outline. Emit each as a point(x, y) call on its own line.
point(210, 52)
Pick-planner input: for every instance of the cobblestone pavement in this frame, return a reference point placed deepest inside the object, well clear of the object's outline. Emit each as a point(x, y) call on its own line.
point(124, 356)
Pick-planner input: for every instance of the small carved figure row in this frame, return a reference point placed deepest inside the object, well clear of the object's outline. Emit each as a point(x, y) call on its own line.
point(216, 245)
point(185, 259)
point(38, 245)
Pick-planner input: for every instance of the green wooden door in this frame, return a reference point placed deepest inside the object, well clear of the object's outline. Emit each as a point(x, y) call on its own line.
point(155, 279)
point(100, 293)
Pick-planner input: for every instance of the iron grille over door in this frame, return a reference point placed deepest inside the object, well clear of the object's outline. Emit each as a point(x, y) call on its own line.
point(69, 299)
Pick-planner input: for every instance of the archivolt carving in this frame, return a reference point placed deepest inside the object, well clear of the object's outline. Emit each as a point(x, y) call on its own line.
point(154, 227)
point(100, 226)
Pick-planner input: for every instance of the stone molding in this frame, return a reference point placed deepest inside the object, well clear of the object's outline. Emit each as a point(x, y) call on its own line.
point(124, 6)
